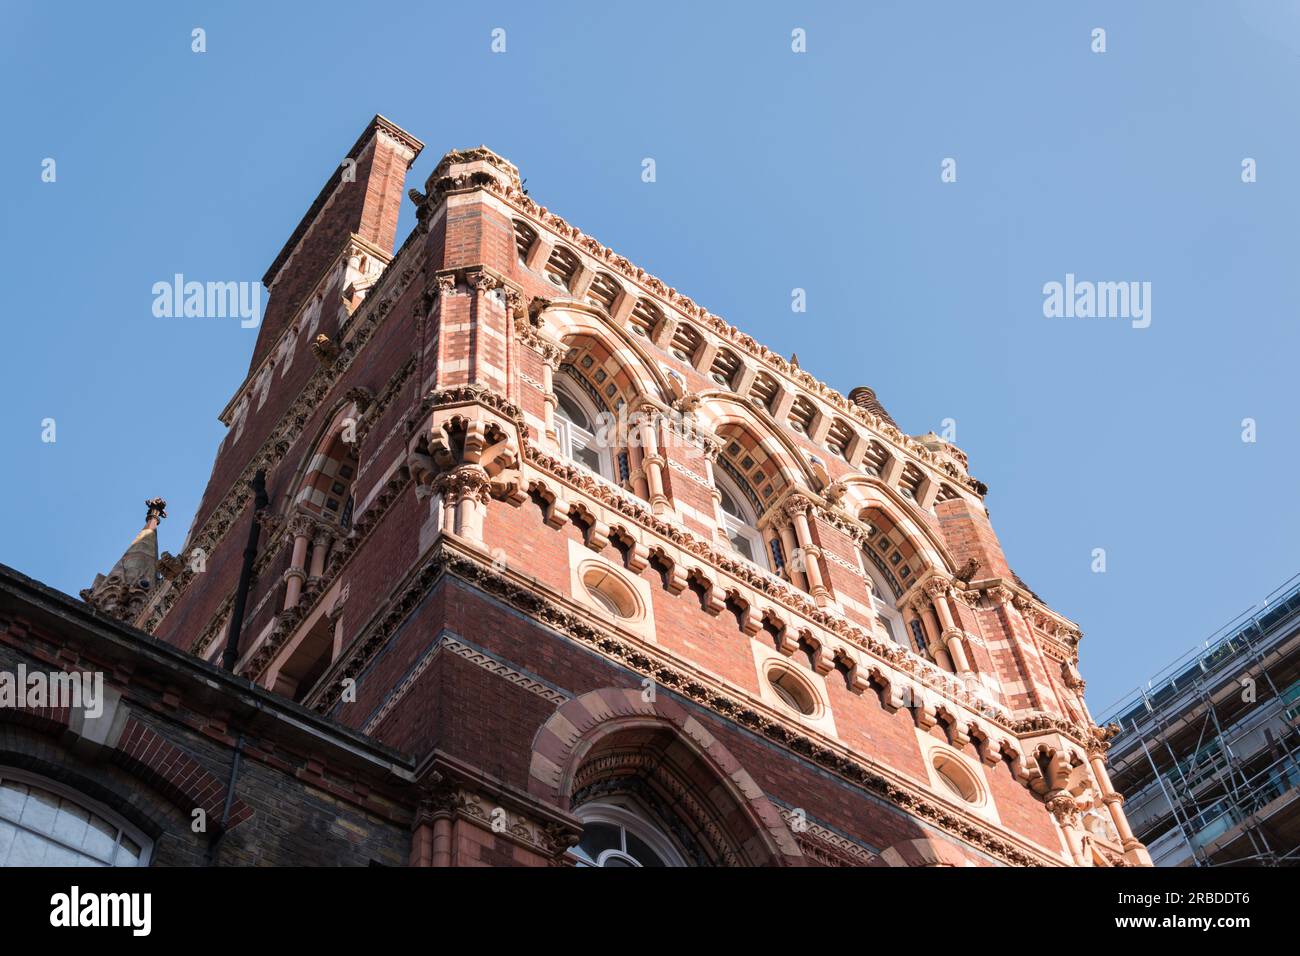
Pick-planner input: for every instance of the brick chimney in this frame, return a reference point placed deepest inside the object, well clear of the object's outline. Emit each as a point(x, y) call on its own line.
point(362, 198)
point(865, 397)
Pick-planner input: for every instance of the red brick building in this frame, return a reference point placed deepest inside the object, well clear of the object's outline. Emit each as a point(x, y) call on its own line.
point(561, 567)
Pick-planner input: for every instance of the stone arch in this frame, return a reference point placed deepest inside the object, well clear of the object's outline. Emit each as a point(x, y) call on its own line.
point(619, 353)
point(915, 545)
point(612, 738)
point(755, 450)
point(175, 775)
point(329, 460)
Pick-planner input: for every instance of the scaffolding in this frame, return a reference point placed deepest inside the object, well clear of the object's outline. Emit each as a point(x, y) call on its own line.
point(1208, 753)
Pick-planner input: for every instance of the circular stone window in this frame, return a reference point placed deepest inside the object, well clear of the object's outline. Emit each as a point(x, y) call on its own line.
point(609, 592)
point(792, 691)
point(954, 775)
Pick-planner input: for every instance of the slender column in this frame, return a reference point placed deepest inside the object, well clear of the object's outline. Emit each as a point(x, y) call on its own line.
point(952, 635)
point(790, 546)
point(320, 545)
point(652, 461)
point(717, 496)
point(550, 361)
point(300, 527)
point(797, 508)
point(1114, 801)
point(442, 841)
point(465, 494)
point(1062, 806)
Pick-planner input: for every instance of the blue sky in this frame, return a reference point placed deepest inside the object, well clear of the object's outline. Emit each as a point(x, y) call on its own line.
point(775, 170)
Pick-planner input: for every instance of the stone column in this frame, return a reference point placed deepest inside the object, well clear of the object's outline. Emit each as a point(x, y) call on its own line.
point(320, 545)
point(652, 461)
point(550, 365)
point(465, 494)
point(1134, 851)
point(952, 635)
point(300, 526)
point(797, 507)
point(790, 545)
point(1066, 811)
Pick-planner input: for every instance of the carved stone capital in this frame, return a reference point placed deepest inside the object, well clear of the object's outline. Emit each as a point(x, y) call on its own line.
point(937, 588)
point(796, 505)
point(1064, 807)
point(301, 525)
point(464, 481)
point(1000, 595)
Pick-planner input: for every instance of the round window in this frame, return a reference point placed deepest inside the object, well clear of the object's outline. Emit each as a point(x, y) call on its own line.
point(956, 778)
point(792, 691)
point(608, 592)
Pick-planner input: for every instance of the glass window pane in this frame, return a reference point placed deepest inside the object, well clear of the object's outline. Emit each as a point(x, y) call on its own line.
point(589, 457)
point(128, 854)
point(641, 850)
point(56, 855)
point(8, 832)
point(742, 546)
point(12, 797)
point(70, 823)
point(598, 837)
point(40, 810)
point(100, 840)
point(570, 410)
point(28, 850)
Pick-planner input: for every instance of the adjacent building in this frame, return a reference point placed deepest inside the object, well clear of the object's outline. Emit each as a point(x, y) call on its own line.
point(515, 555)
point(1208, 750)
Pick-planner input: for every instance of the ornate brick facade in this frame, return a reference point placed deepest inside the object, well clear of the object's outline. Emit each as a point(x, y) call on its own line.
point(594, 561)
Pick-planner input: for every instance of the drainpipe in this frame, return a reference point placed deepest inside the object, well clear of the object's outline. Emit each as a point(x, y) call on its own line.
point(231, 655)
point(215, 843)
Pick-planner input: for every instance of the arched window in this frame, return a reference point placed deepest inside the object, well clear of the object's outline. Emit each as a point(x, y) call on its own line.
point(617, 834)
point(575, 428)
point(46, 824)
point(883, 603)
point(739, 523)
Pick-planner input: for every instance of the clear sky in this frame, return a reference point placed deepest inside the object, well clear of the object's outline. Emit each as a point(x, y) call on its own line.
point(775, 170)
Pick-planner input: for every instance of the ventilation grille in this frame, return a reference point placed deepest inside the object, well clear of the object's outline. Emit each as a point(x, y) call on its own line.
point(645, 318)
point(603, 292)
point(525, 236)
point(725, 368)
point(686, 342)
point(764, 391)
point(561, 267)
point(802, 413)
